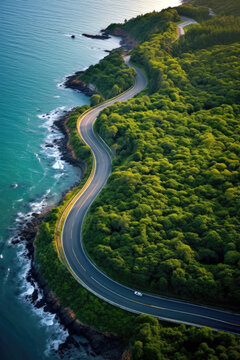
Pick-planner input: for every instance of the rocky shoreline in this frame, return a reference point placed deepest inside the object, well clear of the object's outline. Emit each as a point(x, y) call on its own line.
point(72, 82)
point(103, 36)
point(109, 346)
point(66, 151)
point(126, 42)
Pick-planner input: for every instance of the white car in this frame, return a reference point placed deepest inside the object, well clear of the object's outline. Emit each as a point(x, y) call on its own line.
point(138, 293)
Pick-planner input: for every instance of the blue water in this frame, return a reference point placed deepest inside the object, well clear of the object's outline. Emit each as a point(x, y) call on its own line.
point(36, 53)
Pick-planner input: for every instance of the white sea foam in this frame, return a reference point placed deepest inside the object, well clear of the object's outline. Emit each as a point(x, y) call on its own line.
point(50, 148)
point(21, 217)
point(38, 206)
point(31, 131)
point(61, 84)
point(29, 291)
point(59, 164)
point(51, 116)
point(49, 320)
point(7, 275)
point(37, 156)
point(58, 176)
point(1, 256)
point(53, 343)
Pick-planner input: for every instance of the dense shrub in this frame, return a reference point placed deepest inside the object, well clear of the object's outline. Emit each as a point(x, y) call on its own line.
point(110, 76)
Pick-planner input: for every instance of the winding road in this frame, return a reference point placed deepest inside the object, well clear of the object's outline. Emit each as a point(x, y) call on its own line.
point(88, 275)
point(185, 22)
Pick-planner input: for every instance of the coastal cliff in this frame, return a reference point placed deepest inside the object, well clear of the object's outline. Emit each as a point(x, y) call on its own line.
point(74, 82)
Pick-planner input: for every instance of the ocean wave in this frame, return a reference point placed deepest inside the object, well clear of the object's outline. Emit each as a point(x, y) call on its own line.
point(58, 176)
point(38, 158)
point(50, 148)
point(7, 275)
point(59, 164)
point(38, 206)
point(61, 85)
point(52, 116)
point(23, 217)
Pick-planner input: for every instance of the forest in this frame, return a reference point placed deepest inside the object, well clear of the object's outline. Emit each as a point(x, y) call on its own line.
point(197, 13)
point(168, 219)
point(221, 7)
point(143, 335)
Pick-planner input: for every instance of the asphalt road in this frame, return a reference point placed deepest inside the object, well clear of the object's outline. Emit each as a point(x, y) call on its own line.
point(98, 283)
point(185, 21)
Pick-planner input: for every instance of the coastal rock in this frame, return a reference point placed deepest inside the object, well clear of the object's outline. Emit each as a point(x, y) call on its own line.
point(73, 36)
point(126, 42)
point(103, 36)
point(76, 327)
point(66, 317)
point(39, 304)
point(15, 241)
point(107, 345)
point(34, 296)
point(65, 150)
point(73, 82)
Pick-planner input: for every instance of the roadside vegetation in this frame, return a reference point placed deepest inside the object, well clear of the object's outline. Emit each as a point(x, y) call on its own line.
point(196, 13)
point(81, 151)
point(168, 219)
point(222, 30)
point(221, 7)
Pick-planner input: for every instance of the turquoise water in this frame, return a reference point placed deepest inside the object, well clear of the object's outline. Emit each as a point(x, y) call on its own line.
point(36, 53)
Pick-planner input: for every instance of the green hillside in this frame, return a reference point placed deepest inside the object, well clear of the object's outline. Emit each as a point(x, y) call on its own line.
point(168, 220)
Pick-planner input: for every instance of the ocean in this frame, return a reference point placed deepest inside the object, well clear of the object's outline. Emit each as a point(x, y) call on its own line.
point(37, 52)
